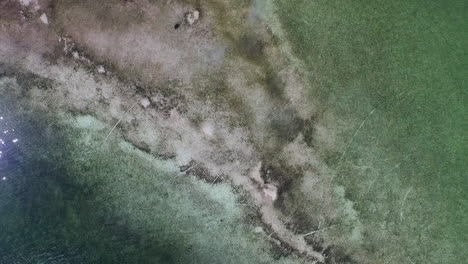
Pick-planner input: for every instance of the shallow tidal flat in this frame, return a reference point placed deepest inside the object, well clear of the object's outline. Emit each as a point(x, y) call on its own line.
point(232, 132)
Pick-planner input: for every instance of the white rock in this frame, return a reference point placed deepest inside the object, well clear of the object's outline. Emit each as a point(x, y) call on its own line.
point(145, 102)
point(101, 69)
point(75, 55)
point(271, 191)
point(44, 18)
point(196, 15)
point(27, 2)
point(192, 17)
point(30, 4)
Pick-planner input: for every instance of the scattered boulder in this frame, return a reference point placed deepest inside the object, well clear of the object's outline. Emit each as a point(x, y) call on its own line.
point(270, 191)
point(101, 69)
point(192, 17)
point(44, 18)
point(145, 102)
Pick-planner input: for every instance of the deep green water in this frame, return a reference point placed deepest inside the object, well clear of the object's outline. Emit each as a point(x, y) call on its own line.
point(394, 75)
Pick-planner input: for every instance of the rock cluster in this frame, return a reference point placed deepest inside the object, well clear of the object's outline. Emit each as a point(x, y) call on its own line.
point(192, 17)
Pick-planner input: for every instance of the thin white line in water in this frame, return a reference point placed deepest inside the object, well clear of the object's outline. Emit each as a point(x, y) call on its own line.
point(120, 120)
point(403, 203)
point(318, 230)
point(355, 133)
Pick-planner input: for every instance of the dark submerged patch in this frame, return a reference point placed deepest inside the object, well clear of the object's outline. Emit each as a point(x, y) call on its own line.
point(337, 255)
point(274, 85)
point(252, 46)
point(286, 124)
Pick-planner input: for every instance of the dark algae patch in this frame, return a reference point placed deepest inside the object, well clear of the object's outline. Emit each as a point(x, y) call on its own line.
point(393, 73)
